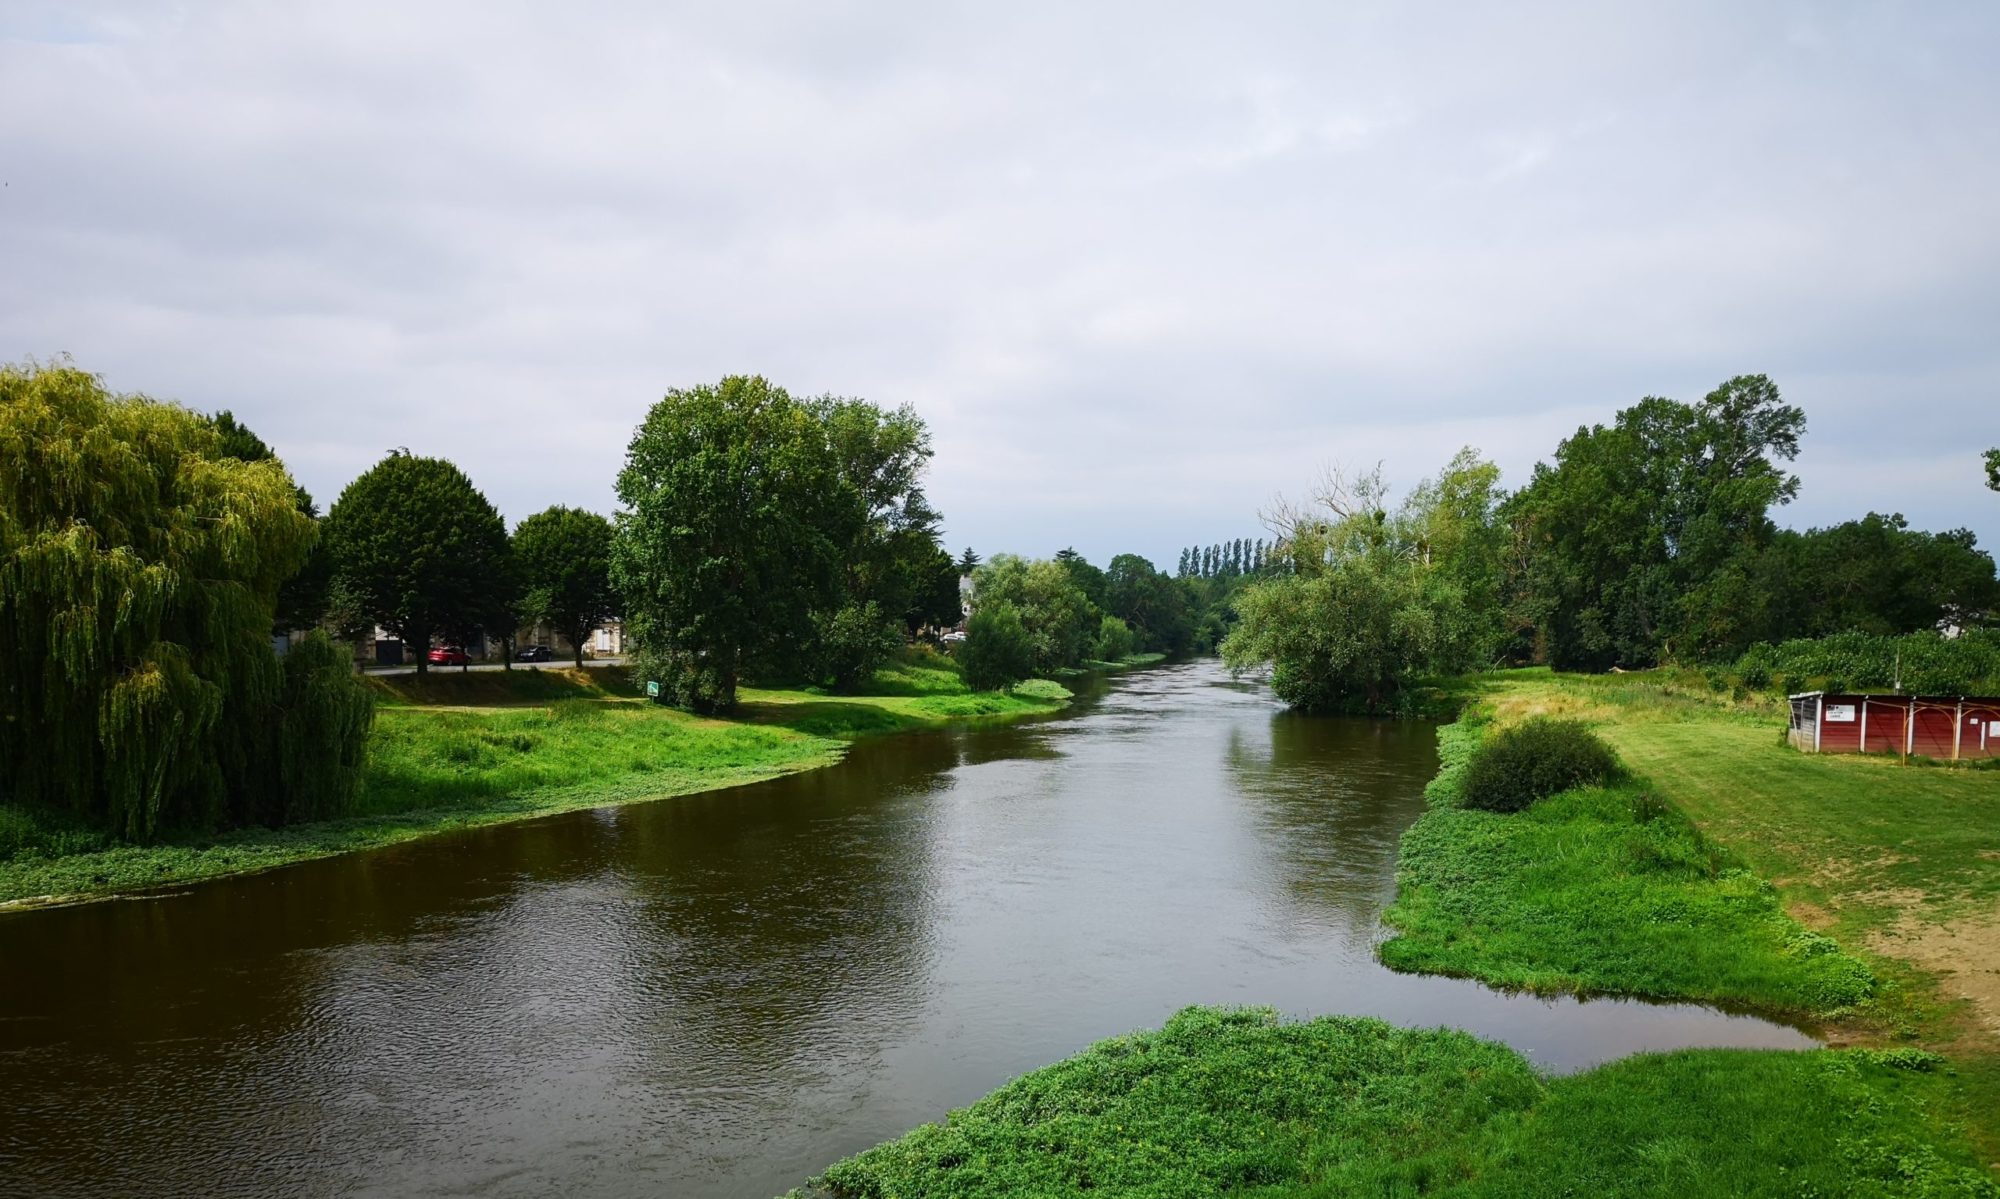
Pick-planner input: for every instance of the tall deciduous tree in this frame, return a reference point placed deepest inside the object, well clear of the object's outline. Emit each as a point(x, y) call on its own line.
point(1640, 533)
point(1993, 469)
point(737, 516)
point(889, 564)
point(1060, 619)
point(1155, 606)
point(140, 564)
point(1376, 599)
point(422, 553)
point(563, 559)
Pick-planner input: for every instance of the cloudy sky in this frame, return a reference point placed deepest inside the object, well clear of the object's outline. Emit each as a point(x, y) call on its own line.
point(1139, 271)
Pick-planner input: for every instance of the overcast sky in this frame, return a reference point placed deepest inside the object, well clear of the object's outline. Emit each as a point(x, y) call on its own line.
point(1139, 272)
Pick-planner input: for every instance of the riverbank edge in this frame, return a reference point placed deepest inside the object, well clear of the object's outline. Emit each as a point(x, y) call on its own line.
point(1905, 1013)
point(1450, 854)
point(1221, 1100)
point(254, 851)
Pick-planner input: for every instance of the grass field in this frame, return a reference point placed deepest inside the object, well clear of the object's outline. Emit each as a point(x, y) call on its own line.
point(1898, 864)
point(1729, 867)
point(457, 749)
point(1603, 890)
point(1238, 1103)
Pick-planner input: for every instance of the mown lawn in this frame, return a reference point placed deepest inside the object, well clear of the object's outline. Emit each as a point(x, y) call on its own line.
point(1239, 1103)
point(1728, 868)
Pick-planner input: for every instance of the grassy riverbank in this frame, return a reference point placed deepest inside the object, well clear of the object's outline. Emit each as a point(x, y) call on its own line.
point(1726, 867)
point(1602, 889)
point(1238, 1103)
point(1793, 865)
point(1729, 868)
point(459, 749)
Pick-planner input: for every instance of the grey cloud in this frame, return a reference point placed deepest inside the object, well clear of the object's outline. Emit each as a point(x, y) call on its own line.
point(1139, 270)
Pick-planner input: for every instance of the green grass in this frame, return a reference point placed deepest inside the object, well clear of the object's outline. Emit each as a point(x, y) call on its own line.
point(1238, 1103)
point(1728, 868)
point(1602, 889)
point(1899, 864)
point(455, 750)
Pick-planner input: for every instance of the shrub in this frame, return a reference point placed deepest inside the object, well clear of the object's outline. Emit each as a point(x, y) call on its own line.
point(1114, 640)
point(1532, 760)
point(998, 650)
point(855, 641)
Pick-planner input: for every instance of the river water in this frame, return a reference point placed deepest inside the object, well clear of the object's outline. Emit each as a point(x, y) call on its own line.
point(719, 994)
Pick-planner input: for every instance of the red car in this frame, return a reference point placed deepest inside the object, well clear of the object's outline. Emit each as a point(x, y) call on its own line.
point(450, 655)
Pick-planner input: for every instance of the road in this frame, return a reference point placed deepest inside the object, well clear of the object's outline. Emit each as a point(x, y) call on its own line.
point(556, 664)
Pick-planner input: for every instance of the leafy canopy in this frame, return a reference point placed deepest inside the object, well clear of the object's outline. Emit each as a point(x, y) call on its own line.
point(140, 563)
point(737, 523)
point(422, 553)
point(563, 558)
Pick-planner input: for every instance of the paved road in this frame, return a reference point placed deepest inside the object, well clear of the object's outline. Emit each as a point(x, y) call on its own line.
point(556, 664)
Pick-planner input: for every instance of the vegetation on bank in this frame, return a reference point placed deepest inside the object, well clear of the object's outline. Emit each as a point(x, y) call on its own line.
point(1924, 663)
point(456, 750)
point(1644, 541)
point(1236, 1102)
point(1599, 889)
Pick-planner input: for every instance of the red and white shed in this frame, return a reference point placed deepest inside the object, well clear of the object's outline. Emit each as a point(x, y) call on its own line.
point(1953, 727)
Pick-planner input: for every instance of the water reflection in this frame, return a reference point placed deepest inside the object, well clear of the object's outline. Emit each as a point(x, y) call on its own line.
point(716, 995)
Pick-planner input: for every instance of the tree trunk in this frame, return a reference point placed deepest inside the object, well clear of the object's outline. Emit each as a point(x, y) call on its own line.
point(576, 645)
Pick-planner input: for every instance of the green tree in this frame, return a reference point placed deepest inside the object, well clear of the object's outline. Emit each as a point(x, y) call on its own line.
point(890, 564)
point(937, 603)
point(968, 561)
point(1376, 599)
point(419, 551)
point(1993, 469)
point(1155, 606)
point(998, 650)
point(738, 515)
point(304, 599)
point(1874, 575)
point(1114, 640)
point(140, 563)
point(563, 556)
point(1639, 537)
point(851, 643)
point(1060, 619)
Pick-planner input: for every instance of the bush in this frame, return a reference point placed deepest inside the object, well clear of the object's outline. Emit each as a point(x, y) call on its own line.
point(1114, 640)
point(854, 641)
point(1533, 760)
point(998, 650)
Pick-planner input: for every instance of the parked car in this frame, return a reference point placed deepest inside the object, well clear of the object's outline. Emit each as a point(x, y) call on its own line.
point(450, 655)
point(532, 653)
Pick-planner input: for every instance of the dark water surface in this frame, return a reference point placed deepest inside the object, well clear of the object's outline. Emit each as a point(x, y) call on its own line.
point(719, 994)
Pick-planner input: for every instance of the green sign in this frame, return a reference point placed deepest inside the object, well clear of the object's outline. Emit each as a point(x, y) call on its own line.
point(652, 688)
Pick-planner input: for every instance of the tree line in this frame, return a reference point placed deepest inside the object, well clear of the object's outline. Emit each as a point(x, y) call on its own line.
point(149, 552)
point(1646, 540)
point(1243, 556)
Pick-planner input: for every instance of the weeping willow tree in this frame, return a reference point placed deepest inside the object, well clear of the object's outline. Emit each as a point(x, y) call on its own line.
point(139, 571)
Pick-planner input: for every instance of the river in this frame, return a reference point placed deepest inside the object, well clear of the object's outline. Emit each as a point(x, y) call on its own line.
point(718, 994)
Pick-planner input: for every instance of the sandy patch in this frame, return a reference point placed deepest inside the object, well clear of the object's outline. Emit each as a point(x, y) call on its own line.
point(1964, 953)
